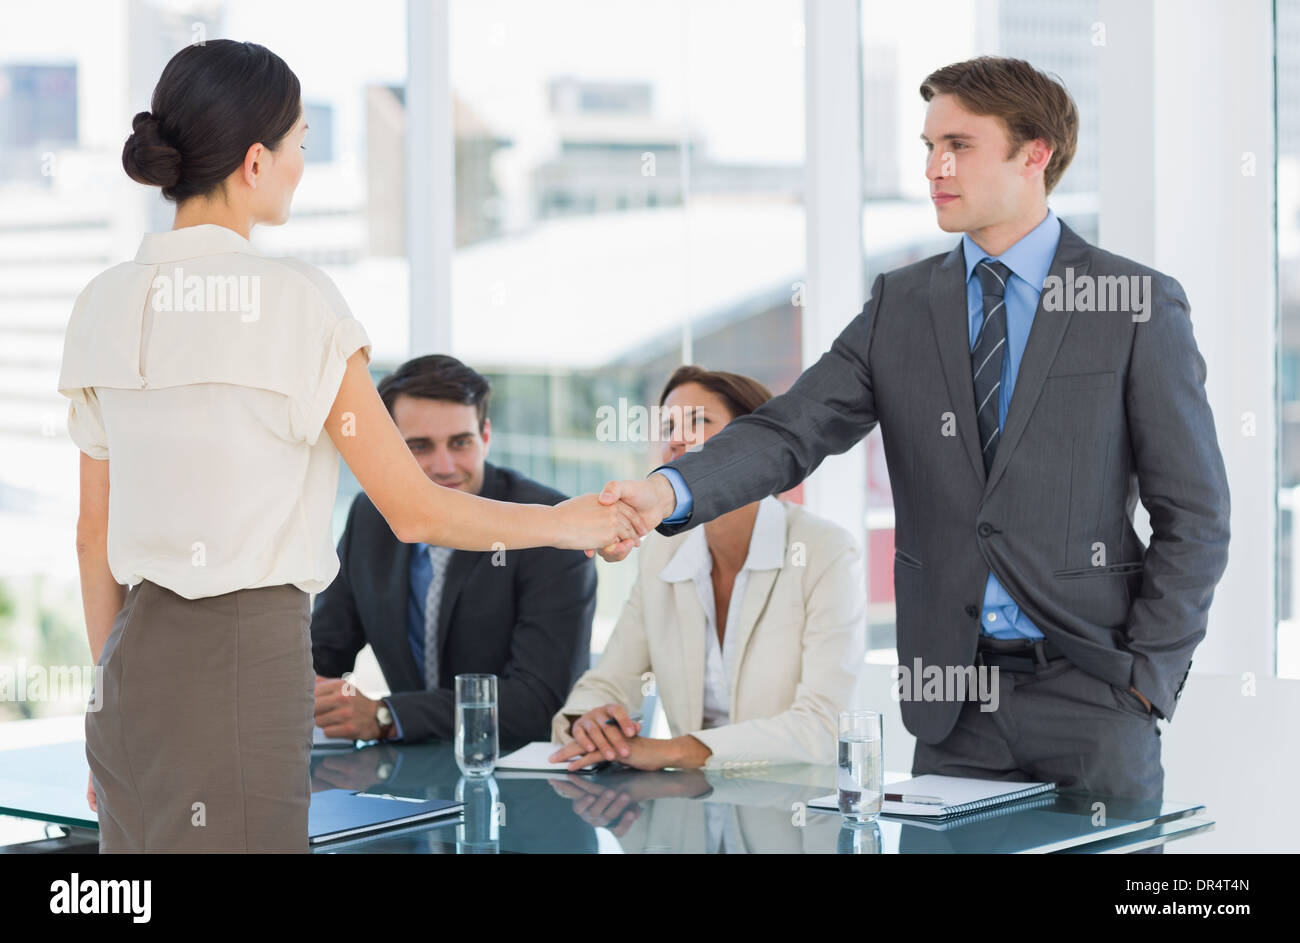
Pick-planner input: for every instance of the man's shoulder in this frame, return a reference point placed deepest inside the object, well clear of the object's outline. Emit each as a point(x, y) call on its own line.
point(510, 485)
point(1103, 266)
point(1103, 262)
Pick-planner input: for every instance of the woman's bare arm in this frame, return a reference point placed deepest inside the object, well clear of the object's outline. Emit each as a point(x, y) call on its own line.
point(101, 595)
point(419, 510)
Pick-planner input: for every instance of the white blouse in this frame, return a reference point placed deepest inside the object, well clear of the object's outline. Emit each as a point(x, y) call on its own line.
point(693, 561)
point(203, 372)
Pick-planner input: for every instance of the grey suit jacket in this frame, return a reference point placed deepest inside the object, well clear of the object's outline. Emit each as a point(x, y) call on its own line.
point(1105, 408)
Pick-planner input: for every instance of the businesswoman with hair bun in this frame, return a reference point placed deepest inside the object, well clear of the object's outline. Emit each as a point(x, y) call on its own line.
point(203, 373)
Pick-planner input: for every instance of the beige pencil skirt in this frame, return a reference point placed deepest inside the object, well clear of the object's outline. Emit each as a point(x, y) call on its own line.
point(202, 737)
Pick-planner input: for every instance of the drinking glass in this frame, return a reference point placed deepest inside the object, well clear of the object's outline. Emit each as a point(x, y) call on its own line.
point(476, 724)
point(860, 779)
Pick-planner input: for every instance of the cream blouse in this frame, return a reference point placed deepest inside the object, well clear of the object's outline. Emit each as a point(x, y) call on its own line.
point(203, 372)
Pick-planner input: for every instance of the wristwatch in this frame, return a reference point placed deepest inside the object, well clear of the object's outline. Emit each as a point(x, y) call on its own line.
point(384, 717)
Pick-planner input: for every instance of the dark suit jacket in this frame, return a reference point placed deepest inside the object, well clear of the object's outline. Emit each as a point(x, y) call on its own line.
point(528, 622)
point(1105, 408)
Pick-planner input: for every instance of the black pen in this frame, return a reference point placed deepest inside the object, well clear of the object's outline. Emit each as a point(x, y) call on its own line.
point(615, 721)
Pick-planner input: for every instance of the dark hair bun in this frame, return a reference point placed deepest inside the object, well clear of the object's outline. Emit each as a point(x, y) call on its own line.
point(147, 157)
point(212, 103)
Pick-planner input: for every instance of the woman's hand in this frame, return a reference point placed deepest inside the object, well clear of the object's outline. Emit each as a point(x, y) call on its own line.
point(643, 753)
point(90, 794)
point(598, 730)
point(583, 523)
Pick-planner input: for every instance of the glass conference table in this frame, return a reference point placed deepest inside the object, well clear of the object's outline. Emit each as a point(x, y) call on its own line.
point(621, 811)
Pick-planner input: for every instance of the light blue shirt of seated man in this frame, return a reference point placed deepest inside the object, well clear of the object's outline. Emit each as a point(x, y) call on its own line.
point(1030, 259)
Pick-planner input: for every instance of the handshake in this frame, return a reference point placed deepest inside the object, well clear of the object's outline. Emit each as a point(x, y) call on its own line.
point(615, 520)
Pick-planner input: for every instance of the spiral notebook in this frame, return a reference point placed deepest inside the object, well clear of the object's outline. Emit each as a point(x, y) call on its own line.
point(968, 819)
point(959, 795)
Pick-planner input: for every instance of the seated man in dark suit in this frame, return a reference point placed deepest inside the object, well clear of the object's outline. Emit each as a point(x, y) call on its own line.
point(429, 613)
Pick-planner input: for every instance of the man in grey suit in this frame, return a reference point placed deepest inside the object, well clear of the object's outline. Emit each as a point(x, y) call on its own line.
point(1025, 405)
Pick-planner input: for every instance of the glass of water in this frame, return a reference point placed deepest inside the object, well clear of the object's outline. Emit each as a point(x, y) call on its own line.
point(860, 779)
point(476, 724)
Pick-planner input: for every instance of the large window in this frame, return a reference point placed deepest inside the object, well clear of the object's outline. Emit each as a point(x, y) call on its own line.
point(629, 183)
point(628, 197)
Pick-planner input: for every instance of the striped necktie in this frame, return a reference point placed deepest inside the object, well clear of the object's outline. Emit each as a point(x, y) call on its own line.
point(987, 355)
point(438, 557)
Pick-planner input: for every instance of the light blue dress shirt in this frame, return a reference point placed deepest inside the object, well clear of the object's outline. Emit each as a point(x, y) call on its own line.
point(682, 512)
point(1030, 259)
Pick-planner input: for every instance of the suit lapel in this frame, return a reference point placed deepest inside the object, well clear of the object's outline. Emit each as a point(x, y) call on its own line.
point(1040, 350)
point(459, 568)
point(950, 317)
point(757, 590)
point(758, 585)
point(392, 606)
point(690, 620)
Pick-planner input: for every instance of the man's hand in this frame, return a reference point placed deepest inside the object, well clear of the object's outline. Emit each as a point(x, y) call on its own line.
point(343, 711)
point(652, 498)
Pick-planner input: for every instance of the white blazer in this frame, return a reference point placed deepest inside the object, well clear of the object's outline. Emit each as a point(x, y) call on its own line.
point(799, 649)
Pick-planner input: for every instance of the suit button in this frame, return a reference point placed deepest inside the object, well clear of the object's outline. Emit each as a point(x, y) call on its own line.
point(985, 529)
point(973, 612)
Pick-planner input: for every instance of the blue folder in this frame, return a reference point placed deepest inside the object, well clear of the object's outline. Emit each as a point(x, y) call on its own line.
point(341, 813)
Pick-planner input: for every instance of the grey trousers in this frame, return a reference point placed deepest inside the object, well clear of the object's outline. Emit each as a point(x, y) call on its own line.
point(1058, 725)
point(202, 742)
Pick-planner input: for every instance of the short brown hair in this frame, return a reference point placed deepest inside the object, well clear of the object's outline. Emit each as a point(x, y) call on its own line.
point(1030, 103)
point(742, 394)
point(438, 376)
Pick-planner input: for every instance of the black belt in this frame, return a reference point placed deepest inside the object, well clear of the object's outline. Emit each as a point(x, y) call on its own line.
point(1016, 654)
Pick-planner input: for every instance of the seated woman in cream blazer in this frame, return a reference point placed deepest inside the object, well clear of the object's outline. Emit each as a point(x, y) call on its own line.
point(751, 627)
